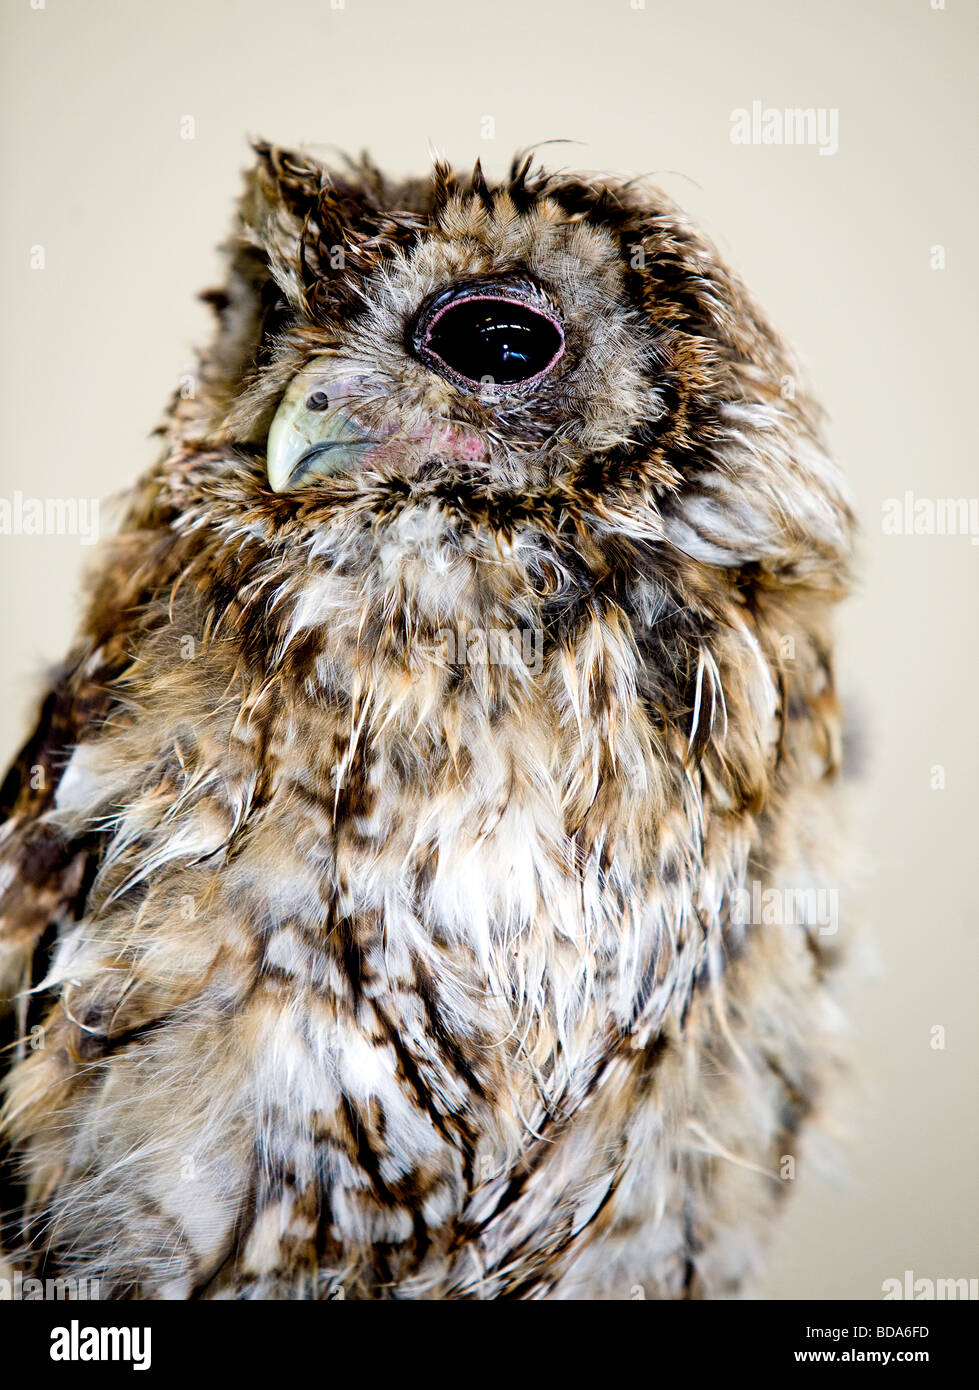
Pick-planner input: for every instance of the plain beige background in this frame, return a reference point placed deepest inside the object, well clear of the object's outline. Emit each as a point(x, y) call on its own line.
point(95, 99)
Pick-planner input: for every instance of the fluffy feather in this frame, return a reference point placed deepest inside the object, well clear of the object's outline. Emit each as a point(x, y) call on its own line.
point(368, 962)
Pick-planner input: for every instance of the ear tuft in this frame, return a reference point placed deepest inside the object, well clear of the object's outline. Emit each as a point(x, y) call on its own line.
point(480, 187)
point(288, 177)
point(444, 185)
point(283, 190)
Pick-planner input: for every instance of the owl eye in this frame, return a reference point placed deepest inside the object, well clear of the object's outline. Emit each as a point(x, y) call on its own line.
point(486, 338)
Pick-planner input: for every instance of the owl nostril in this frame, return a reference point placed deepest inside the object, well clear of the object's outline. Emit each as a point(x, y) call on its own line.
point(484, 338)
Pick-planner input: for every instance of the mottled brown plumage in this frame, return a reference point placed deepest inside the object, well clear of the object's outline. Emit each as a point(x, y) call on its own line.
point(377, 886)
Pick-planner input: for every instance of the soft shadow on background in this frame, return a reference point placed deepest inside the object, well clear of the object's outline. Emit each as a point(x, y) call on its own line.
point(845, 250)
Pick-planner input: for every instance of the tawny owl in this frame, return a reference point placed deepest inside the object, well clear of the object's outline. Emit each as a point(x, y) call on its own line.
point(408, 890)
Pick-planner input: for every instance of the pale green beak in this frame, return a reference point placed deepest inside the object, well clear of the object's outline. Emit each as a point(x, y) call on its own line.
point(314, 433)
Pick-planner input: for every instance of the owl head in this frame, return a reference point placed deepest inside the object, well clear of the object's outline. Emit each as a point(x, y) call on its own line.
point(542, 404)
point(554, 333)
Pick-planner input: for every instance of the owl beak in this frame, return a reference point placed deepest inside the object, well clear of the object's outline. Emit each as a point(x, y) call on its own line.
point(314, 432)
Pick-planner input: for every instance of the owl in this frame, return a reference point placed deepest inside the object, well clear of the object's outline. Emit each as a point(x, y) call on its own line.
point(413, 886)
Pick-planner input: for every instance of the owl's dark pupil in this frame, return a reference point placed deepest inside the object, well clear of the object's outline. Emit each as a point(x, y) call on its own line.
point(495, 340)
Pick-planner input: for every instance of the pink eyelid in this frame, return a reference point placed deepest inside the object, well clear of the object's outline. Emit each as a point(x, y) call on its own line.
point(498, 299)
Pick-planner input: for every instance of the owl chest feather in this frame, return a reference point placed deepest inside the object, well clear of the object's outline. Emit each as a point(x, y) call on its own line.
point(488, 908)
point(412, 960)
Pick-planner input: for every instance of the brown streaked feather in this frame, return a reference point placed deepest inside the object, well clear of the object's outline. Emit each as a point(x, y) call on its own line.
point(369, 964)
